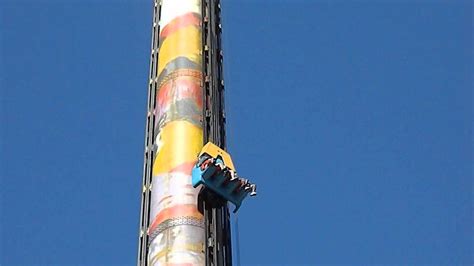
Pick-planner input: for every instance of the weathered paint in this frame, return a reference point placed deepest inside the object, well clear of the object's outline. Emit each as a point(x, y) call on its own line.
point(180, 63)
point(183, 42)
point(180, 98)
point(176, 229)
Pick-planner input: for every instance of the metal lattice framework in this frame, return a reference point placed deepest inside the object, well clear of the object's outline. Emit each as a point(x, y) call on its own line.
point(149, 140)
point(215, 210)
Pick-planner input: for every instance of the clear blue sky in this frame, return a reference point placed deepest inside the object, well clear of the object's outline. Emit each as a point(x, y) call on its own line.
point(354, 118)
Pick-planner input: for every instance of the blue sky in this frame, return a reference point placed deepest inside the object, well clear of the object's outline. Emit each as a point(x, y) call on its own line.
point(354, 118)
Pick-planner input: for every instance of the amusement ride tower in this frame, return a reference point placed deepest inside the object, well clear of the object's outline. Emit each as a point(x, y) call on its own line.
point(183, 222)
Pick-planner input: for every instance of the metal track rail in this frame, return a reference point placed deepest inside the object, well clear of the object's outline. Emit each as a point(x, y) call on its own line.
point(142, 258)
point(216, 213)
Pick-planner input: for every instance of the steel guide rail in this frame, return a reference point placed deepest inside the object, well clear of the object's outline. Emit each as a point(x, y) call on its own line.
point(218, 247)
point(149, 153)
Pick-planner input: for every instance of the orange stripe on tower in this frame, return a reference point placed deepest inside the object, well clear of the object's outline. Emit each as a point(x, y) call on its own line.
point(185, 168)
point(187, 210)
point(180, 22)
point(178, 89)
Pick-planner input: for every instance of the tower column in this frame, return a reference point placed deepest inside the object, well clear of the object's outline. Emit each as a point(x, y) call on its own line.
point(175, 227)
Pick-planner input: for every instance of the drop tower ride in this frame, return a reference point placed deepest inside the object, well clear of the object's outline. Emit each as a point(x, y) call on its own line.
point(183, 222)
